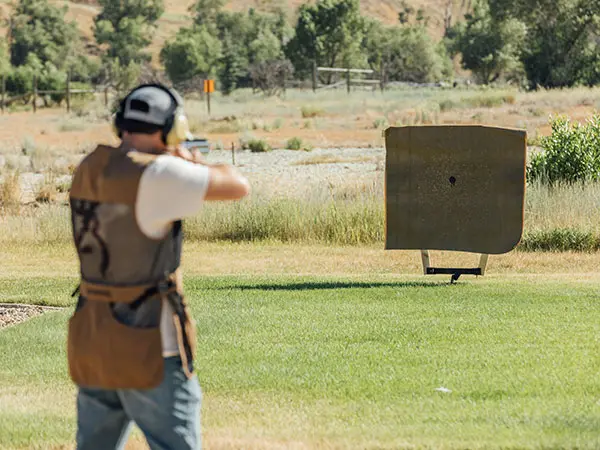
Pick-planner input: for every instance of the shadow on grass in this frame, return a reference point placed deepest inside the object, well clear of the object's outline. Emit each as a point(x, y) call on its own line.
point(326, 285)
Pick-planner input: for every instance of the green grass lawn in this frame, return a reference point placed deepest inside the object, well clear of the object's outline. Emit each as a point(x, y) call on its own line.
point(340, 363)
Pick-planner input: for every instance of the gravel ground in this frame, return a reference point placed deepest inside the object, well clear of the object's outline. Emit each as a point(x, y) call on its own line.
point(291, 172)
point(13, 314)
point(279, 172)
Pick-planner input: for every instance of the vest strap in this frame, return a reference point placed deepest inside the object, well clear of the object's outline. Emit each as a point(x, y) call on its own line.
point(135, 295)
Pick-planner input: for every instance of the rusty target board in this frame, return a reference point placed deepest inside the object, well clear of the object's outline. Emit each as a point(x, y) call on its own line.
point(458, 188)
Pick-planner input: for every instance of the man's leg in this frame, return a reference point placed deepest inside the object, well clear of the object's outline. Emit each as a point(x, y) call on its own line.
point(169, 416)
point(101, 421)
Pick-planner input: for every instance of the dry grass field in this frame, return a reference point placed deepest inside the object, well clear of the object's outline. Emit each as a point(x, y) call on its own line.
point(322, 120)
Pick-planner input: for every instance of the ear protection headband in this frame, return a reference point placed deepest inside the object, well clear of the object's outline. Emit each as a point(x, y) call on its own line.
point(176, 128)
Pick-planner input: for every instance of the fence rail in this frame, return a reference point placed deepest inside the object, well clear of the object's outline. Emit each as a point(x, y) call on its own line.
point(35, 93)
point(349, 82)
point(339, 70)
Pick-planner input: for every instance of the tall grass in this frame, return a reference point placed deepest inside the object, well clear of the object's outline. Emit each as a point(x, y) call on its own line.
point(10, 193)
point(556, 219)
point(336, 222)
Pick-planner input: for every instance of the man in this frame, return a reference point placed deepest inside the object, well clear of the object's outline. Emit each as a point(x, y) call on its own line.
point(131, 340)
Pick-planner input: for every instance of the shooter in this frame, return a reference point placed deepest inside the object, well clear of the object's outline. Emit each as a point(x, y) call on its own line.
point(131, 340)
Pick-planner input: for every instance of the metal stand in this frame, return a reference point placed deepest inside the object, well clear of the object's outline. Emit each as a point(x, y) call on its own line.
point(456, 273)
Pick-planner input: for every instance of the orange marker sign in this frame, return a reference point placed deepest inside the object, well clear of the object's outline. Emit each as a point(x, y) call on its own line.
point(209, 86)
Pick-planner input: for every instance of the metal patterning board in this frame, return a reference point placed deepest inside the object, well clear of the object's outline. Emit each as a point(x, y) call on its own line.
point(459, 188)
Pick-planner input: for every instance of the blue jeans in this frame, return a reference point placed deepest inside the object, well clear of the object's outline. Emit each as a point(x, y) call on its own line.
point(169, 415)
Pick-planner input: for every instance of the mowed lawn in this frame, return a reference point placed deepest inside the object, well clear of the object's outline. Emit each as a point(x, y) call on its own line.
point(345, 362)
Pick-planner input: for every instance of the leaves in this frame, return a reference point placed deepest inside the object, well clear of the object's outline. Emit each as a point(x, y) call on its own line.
point(39, 28)
point(193, 52)
point(126, 27)
point(489, 48)
point(571, 153)
point(330, 33)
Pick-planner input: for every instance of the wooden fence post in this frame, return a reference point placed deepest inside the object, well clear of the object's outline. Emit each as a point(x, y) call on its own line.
point(233, 153)
point(314, 77)
point(106, 96)
point(68, 91)
point(35, 89)
point(348, 82)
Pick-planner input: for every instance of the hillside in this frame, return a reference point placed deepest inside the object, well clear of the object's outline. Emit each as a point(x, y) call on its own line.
point(177, 15)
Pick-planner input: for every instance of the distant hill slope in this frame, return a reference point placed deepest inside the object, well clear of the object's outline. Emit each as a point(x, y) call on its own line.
point(177, 15)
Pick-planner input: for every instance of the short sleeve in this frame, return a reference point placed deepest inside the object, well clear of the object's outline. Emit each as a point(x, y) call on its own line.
point(170, 189)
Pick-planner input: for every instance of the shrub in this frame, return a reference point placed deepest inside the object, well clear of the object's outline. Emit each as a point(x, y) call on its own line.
point(245, 140)
point(53, 80)
point(47, 193)
point(294, 143)
point(71, 125)
point(63, 186)
point(447, 105)
point(10, 192)
point(380, 123)
point(259, 146)
point(308, 112)
point(484, 101)
point(570, 154)
point(20, 81)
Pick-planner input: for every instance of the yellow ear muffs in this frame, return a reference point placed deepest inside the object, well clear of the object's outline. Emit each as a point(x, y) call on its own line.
point(180, 131)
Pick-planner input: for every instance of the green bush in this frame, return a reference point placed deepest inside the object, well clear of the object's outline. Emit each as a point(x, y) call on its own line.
point(53, 80)
point(308, 112)
point(259, 146)
point(570, 154)
point(294, 143)
point(20, 80)
point(380, 123)
point(491, 100)
point(447, 105)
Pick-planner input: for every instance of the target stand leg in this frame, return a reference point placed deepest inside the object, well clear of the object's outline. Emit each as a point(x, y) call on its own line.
point(454, 272)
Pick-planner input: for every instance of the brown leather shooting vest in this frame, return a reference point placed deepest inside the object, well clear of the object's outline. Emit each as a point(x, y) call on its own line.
point(114, 339)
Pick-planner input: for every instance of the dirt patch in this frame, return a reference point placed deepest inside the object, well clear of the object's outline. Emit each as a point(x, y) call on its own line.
point(13, 314)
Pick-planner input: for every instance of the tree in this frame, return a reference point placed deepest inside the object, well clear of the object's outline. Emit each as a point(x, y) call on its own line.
point(120, 77)
point(193, 52)
point(233, 66)
point(248, 39)
point(126, 26)
point(266, 47)
point(405, 53)
point(562, 38)
point(405, 13)
point(329, 33)
point(489, 48)
point(40, 28)
point(206, 12)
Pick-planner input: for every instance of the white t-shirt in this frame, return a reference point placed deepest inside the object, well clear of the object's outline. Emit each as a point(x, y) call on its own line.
point(170, 189)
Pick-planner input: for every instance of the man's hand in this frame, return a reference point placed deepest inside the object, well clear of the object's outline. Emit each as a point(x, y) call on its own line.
point(184, 153)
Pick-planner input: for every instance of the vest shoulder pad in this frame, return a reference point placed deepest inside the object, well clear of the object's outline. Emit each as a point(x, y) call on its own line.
point(110, 175)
